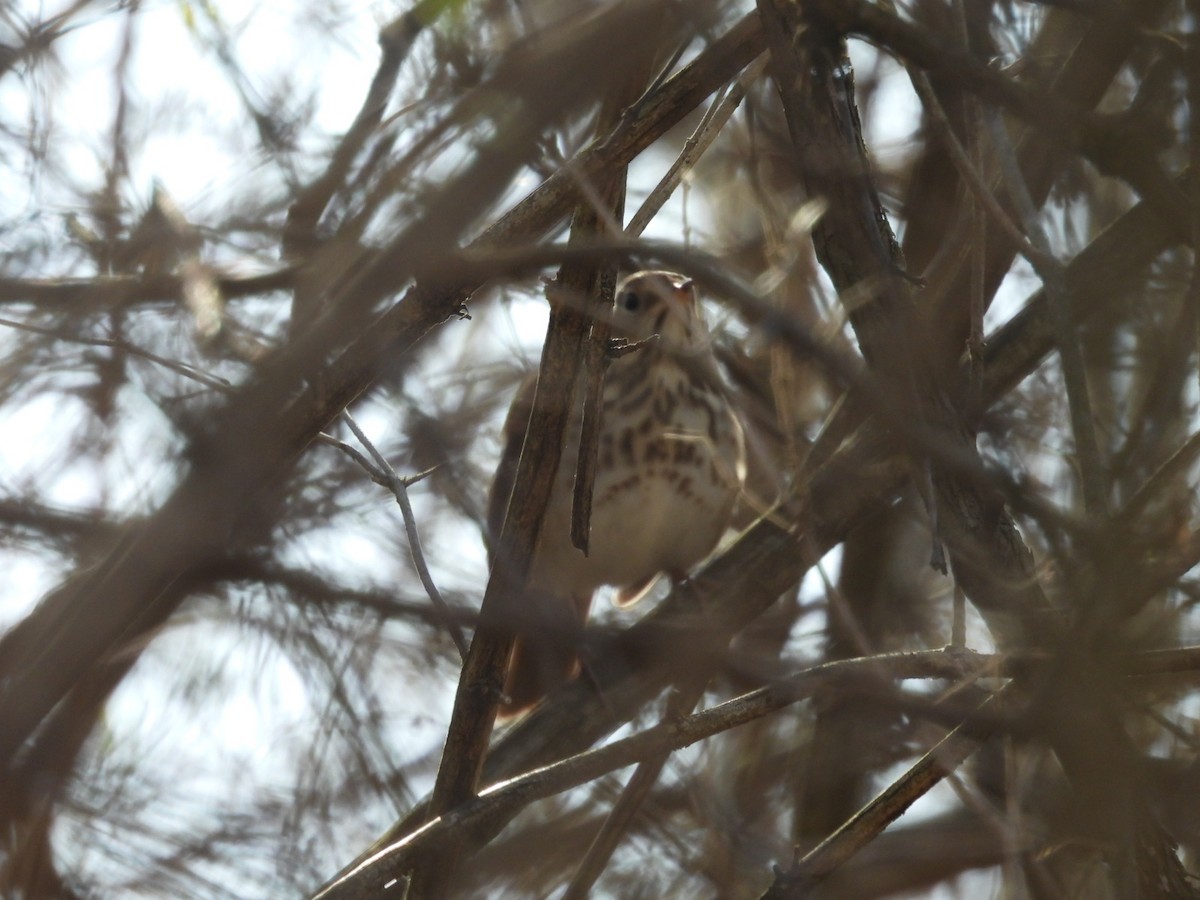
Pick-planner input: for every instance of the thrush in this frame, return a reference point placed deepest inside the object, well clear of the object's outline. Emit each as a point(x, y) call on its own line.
point(669, 468)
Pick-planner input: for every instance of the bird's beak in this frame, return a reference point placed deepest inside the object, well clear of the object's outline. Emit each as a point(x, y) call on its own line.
point(685, 292)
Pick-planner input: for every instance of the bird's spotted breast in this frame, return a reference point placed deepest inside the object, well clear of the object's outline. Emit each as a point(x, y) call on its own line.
point(669, 459)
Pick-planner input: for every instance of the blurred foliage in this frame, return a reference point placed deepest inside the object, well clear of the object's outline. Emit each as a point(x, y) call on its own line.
point(292, 703)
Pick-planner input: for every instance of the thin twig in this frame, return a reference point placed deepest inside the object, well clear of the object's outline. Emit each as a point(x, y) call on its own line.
point(644, 777)
point(1095, 493)
point(599, 212)
point(699, 141)
point(958, 621)
point(396, 40)
point(105, 292)
point(1164, 476)
point(979, 210)
point(971, 171)
point(1193, 175)
point(212, 381)
point(865, 825)
point(366, 879)
point(399, 488)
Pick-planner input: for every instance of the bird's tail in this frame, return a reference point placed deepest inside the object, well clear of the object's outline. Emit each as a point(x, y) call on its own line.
point(545, 653)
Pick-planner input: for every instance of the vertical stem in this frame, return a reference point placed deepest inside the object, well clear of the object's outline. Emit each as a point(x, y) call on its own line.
point(1092, 476)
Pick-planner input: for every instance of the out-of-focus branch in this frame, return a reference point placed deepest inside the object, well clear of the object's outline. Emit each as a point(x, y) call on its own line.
point(693, 148)
point(869, 674)
point(1121, 152)
point(187, 371)
point(396, 40)
point(968, 168)
point(482, 679)
point(254, 440)
point(633, 795)
point(383, 473)
point(40, 37)
point(1093, 478)
point(865, 825)
point(774, 553)
point(105, 292)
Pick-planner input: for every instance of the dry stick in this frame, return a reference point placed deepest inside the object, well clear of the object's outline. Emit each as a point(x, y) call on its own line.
point(971, 172)
point(620, 818)
point(326, 262)
point(646, 775)
point(693, 148)
point(974, 127)
point(1095, 492)
point(1164, 476)
point(312, 588)
point(396, 40)
point(1193, 137)
point(116, 291)
point(383, 473)
point(212, 381)
point(504, 799)
point(601, 210)
point(866, 824)
point(38, 38)
point(970, 167)
point(481, 681)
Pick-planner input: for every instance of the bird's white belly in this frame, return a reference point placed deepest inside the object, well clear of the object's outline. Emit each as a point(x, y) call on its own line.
point(659, 524)
point(665, 518)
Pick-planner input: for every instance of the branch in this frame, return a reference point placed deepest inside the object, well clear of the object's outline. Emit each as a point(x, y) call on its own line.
point(869, 822)
point(770, 557)
point(479, 815)
point(383, 473)
point(256, 438)
point(504, 799)
point(107, 292)
point(1115, 150)
point(396, 40)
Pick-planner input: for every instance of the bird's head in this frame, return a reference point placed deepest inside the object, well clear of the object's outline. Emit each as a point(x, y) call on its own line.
point(662, 303)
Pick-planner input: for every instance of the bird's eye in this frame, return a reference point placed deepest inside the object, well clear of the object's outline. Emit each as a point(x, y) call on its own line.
point(630, 301)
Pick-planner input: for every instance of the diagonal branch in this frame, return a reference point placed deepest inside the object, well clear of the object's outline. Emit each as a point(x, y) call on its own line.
point(771, 556)
point(567, 343)
point(255, 439)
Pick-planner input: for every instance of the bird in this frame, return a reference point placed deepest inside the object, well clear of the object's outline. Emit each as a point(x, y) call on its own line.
point(670, 467)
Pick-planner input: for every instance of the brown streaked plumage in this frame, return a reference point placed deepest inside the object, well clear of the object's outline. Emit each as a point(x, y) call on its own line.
point(669, 469)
